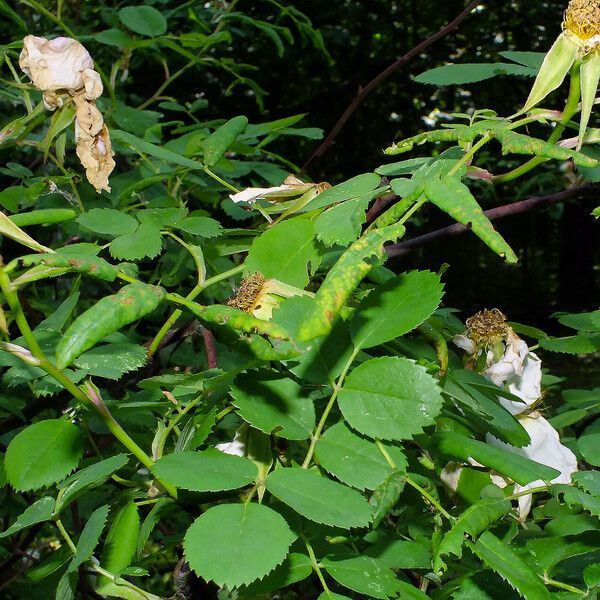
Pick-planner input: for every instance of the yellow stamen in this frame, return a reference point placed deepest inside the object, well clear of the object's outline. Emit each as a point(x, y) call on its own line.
point(582, 18)
point(487, 327)
point(248, 293)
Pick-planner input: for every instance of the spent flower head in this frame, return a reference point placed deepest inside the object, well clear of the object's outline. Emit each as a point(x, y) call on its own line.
point(578, 46)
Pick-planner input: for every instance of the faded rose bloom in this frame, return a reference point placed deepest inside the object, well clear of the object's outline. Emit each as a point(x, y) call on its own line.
point(545, 448)
point(237, 446)
point(290, 188)
point(64, 71)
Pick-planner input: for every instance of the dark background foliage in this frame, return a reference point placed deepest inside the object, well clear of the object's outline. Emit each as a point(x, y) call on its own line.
point(557, 246)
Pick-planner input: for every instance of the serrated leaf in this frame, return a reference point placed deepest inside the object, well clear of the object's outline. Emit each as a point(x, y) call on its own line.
point(390, 398)
point(342, 223)
point(145, 20)
point(575, 497)
point(589, 446)
point(41, 510)
point(400, 554)
point(107, 221)
point(454, 197)
point(107, 316)
point(90, 477)
point(361, 185)
point(202, 226)
point(154, 516)
point(459, 74)
point(285, 252)
point(395, 308)
point(355, 460)
point(386, 496)
point(589, 481)
point(362, 574)
point(112, 360)
point(216, 144)
point(497, 555)
point(343, 278)
point(207, 471)
point(472, 522)
point(43, 454)
point(318, 498)
point(515, 467)
point(145, 241)
point(274, 404)
point(576, 344)
point(221, 544)
point(549, 551)
point(89, 538)
point(296, 567)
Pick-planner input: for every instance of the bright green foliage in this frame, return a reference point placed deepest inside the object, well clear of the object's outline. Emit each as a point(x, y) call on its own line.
point(41, 510)
point(206, 471)
point(221, 545)
point(274, 404)
point(319, 499)
point(215, 146)
point(390, 398)
point(43, 454)
point(90, 536)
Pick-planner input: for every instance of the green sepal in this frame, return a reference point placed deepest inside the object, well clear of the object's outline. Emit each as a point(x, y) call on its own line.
point(590, 76)
point(556, 65)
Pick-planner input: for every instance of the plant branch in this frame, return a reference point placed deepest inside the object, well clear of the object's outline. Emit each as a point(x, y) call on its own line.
point(516, 208)
point(363, 92)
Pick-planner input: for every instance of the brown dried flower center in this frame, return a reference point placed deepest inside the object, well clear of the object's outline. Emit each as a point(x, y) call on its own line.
point(582, 18)
point(487, 326)
point(248, 293)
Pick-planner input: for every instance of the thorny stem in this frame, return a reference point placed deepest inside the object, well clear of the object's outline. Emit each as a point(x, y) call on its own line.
point(57, 374)
point(336, 390)
point(155, 344)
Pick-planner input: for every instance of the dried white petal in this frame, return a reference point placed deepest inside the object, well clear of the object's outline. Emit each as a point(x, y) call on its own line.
point(465, 343)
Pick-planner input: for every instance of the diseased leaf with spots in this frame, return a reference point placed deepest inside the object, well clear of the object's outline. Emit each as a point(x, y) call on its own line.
point(343, 278)
point(455, 198)
point(93, 266)
point(108, 315)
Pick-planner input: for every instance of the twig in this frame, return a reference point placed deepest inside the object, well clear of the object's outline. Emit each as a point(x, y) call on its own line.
point(363, 92)
point(516, 208)
point(209, 347)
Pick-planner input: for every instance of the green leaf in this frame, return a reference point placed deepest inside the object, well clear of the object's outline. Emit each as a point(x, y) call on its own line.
point(362, 574)
point(575, 344)
point(395, 308)
point(145, 241)
point(589, 481)
point(45, 216)
point(455, 198)
point(343, 278)
point(515, 467)
point(575, 497)
point(274, 404)
point(202, 226)
point(472, 522)
point(502, 559)
point(358, 186)
point(390, 398)
point(207, 471)
point(529, 59)
point(120, 544)
point(159, 510)
point(355, 460)
point(50, 565)
point(144, 20)
point(386, 496)
point(112, 360)
point(89, 538)
point(318, 498)
point(400, 554)
point(133, 119)
point(216, 144)
point(296, 567)
point(342, 223)
point(553, 71)
point(93, 476)
point(108, 221)
point(285, 252)
point(221, 544)
point(43, 454)
point(589, 446)
point(590, 76)
point(107, 316)
point(471, 73)
point(41, 510)
point(332, 596)
point(549, 551)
